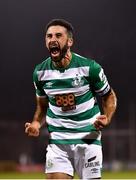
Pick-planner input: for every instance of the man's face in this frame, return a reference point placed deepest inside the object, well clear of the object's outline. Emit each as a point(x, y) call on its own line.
point(57, 42)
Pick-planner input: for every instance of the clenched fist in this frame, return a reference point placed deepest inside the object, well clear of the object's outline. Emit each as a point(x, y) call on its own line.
point(32, 129)
point(101, 122)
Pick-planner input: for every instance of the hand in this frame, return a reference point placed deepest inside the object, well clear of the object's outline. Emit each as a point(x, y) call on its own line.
point(32, 129)
point(101, 122)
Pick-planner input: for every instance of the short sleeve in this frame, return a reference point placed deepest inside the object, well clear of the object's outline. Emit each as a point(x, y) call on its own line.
point(38, 84)
point(99, 80)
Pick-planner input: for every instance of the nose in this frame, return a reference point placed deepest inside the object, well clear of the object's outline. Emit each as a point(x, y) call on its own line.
point(53, 39)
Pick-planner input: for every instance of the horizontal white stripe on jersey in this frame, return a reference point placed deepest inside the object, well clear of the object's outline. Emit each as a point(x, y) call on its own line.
point(68, 73)
point(65, 135)
point(79, 108)
point(67, 123)
point(77, 91)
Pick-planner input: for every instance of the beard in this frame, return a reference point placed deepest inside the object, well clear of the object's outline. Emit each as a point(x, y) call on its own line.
point(56, 52)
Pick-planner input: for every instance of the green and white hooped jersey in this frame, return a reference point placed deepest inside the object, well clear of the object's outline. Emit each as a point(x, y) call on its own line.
point(72, 103)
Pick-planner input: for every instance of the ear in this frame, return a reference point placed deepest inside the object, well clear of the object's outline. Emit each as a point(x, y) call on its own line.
point(70, 42)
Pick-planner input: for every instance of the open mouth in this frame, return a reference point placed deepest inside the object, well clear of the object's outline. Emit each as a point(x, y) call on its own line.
point(54, 50)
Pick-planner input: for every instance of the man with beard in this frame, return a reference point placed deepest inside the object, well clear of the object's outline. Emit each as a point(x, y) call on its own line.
point(66, 86)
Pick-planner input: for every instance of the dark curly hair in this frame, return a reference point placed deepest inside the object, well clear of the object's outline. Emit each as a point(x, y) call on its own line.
point(61, 22)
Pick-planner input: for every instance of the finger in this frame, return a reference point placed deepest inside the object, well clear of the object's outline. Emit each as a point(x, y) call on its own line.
point(32, 130)
point(99, 127)
point(27, 124)
point(27, 129)
point(33, 133)
point(101, 117)
point(98, 124)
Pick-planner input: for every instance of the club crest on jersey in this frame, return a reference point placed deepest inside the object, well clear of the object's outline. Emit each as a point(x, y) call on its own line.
point(77, 81)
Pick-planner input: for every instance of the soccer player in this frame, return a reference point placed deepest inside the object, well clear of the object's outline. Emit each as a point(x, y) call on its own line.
point(66, 87)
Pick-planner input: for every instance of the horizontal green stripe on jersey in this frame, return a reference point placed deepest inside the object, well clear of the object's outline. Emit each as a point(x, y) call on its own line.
point(88, 128)
point(63, 83)
point(74, 141)
point(78, 117)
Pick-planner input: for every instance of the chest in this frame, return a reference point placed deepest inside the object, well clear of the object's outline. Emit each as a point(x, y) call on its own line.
point(76, 84)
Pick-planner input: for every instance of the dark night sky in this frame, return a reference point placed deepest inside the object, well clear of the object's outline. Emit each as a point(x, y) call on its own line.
point(104, 30)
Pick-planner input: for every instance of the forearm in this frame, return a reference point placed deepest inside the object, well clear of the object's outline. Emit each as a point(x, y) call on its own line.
point(38, 116)
point(33, 128)
point(41, 109)
point(109, 104)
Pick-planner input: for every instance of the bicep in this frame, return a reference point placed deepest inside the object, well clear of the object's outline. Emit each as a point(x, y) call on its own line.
point(110, 98)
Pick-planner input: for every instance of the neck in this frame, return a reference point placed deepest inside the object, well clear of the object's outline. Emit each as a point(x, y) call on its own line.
point(65, 61)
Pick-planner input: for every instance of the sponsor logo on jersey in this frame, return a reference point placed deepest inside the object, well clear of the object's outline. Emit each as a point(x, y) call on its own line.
point(92, 164)
point(91, 159)
point(94, 170)
point(77, 81)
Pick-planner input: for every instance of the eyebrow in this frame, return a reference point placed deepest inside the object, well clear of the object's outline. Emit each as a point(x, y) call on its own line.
point(57, 33)
point(48, 33)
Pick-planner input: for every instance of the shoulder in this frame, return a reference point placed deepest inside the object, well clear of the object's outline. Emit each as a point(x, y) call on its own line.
point(45, 64)
point(84, 61)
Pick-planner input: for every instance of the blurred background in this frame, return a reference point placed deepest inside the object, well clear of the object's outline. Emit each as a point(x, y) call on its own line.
point(105, 30)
